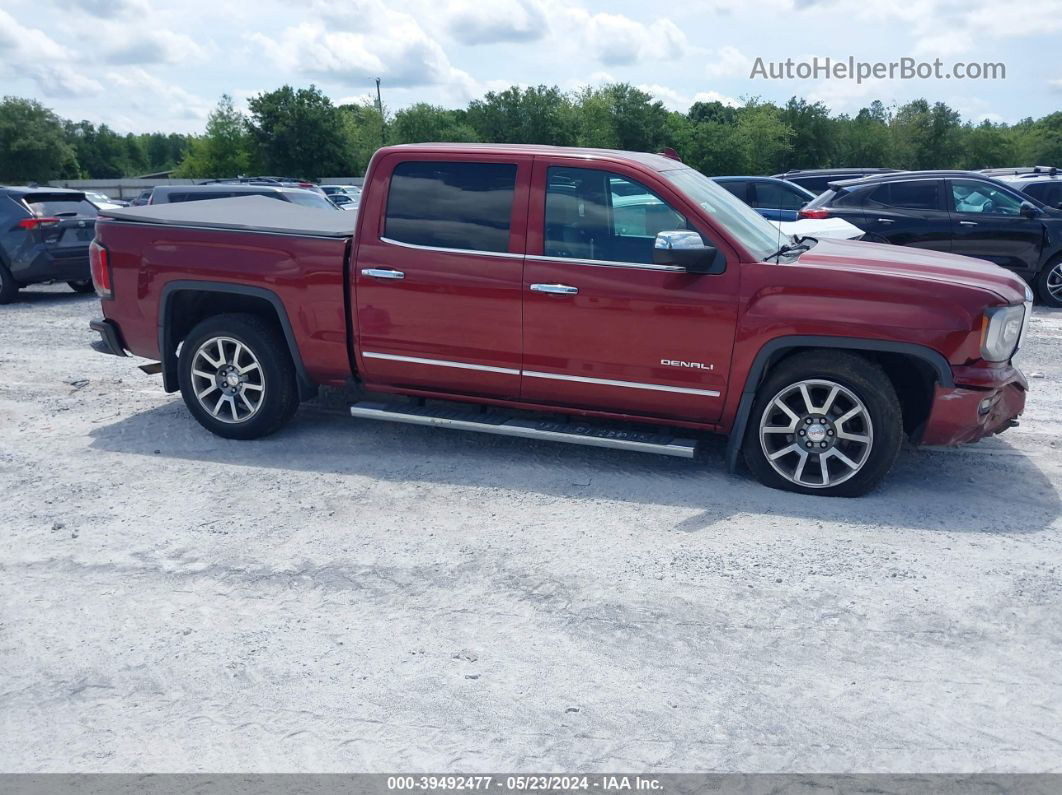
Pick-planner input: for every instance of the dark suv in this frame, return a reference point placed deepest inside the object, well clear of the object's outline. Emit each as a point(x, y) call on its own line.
point(44, 236)
point(962, 212)
point(816, 179)
point(1045, 186)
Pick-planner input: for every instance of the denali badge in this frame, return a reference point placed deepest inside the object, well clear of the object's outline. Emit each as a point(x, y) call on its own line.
point(694, 365)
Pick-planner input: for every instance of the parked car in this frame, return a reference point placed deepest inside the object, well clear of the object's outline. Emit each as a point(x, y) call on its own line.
point(345, 197)
point(44, 236)
point(103, 200)
point(503, 276)
point(168, 194)
point(775, 199)
point(960, 212)
point(1044, 186)
point(281, 182)
point(816, 179)
point(142, 198)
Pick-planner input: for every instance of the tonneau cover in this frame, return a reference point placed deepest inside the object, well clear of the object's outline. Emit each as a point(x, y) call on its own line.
point(246, 213)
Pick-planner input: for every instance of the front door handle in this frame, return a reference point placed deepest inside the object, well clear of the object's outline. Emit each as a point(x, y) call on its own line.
point(967, 223)
point(556, 289)
point(885, 221)
point(382, 273)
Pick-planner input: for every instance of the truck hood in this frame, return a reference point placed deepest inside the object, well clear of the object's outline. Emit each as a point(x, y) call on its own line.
point(935, 266)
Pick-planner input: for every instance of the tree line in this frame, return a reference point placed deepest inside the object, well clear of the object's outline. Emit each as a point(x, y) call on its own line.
point(300, 132)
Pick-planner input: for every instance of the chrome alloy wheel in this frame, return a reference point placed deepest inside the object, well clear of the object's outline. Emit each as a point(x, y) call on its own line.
point(227, 379)
point(816, 433)
point(1054, 281)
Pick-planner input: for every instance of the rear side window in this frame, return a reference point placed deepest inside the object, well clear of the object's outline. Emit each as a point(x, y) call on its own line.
point(777, 197)
point(913, 195)
point(451, 205)
point(59, 207)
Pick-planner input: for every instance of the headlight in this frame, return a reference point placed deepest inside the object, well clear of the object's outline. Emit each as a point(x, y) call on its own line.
point(1001, 332)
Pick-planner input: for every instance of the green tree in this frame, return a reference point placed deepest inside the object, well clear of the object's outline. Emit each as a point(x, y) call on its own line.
point(225, 149)
point(536, 115)
point(620, 116)
point(423, 122)
point(814, 142)
point(926, 137)
point(32, 143)
point(300, 133)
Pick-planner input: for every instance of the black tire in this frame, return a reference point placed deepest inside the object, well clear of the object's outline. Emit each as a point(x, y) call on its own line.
point(82, 286)
point(274, 376)
point(880, 423)
point(8, 286)
point(1050, 279)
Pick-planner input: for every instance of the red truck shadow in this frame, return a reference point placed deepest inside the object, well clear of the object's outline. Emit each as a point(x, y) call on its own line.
point(987, 488)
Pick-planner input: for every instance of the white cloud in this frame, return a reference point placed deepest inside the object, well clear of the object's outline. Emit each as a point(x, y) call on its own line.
point(143, 92)
point(730, 62)
point(30, 52)
point(677, 100)
point(362, 42)
point(474, 22)
point(139, 44)
point(616, 40)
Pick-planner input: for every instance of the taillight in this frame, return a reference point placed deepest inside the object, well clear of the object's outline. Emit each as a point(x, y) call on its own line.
point(33, 223)
point(100, 265)
point(815, 212)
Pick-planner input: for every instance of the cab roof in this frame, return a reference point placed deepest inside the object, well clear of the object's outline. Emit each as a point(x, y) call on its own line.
point(651, 161)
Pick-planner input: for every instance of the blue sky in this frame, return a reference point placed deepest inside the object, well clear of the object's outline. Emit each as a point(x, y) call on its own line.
point(142, 65)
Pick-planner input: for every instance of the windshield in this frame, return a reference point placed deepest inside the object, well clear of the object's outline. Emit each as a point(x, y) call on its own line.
point(758, 235)
point(309, 199)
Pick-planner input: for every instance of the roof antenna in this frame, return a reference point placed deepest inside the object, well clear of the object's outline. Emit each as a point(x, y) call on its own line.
point(670, 153)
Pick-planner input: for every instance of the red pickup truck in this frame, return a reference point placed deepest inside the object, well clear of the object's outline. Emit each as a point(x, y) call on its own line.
point(607, 298)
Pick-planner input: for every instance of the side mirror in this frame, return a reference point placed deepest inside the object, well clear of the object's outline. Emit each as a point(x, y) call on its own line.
point(685, 248)
point(1029, 210)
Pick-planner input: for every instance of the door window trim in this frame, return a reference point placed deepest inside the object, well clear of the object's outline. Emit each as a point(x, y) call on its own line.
point(477, 252)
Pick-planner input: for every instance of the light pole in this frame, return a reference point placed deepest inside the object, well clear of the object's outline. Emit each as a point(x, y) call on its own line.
point(379, 107)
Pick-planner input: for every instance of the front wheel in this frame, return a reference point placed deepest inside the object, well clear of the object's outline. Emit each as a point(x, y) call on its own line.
point(236, 376)
point(824, 423)
point(1049, 284)
point(8, 285)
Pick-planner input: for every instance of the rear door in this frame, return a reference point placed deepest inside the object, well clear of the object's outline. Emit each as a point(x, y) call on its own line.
point(909, 213)
point(987, 223)
point(604, 327)
point(437, 279)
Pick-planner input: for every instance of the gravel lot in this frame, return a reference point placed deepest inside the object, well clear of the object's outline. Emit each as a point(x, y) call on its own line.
point(354, 596)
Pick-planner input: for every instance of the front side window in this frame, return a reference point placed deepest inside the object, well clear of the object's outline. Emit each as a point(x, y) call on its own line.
point(598, 215)
point(973, 197)
point(451, 205)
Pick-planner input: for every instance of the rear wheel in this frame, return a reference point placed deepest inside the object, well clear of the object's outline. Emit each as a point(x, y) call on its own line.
point(1049, 283)
point(8, 286)
point(82, 286)
point(236, 376)
point(824, 423)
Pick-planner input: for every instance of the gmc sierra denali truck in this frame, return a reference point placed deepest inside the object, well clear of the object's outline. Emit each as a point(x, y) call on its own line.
point(625, 293)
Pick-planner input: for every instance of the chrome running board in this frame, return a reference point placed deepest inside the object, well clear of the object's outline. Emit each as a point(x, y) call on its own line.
point(574, 432)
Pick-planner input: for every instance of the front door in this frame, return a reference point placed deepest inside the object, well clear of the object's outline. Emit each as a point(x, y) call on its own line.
point(437, 286)
point(987, 223)
point(605, 328)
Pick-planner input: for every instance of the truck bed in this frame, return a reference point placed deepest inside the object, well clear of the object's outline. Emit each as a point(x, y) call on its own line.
point(248, 213)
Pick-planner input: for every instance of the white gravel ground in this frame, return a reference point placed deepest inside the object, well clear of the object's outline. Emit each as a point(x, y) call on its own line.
point(354, 596)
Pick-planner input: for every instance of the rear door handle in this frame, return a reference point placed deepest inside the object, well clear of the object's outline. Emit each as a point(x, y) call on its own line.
point(885, 221)
point(382, 273)
point(967, 223)
point(556, 289)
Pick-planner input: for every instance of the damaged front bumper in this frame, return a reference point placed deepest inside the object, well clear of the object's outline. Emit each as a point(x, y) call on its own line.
point(984, 401)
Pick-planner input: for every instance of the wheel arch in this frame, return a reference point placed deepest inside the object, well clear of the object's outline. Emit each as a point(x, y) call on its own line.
point(185, 303)
point(914, 384)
